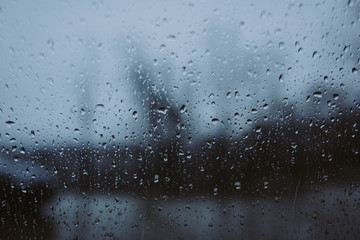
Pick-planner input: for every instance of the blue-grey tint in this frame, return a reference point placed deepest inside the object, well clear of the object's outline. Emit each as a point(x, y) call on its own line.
point(178, 119)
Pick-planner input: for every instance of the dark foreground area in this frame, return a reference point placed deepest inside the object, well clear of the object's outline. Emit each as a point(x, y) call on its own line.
point(293, 178)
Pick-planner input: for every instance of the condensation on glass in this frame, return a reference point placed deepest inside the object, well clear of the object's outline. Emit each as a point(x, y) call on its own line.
point(179, 120)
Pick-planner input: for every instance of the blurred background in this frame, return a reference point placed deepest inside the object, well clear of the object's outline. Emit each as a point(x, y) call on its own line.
point(179, 120)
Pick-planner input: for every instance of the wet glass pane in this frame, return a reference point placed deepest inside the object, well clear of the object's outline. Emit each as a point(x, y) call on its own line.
point(179, 120)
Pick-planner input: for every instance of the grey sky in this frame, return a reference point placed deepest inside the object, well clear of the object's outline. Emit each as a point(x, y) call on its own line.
point(55, 53)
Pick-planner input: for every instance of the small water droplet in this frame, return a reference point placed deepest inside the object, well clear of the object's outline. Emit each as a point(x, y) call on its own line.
point(215, 120)
point(182, 109)
point(9, 123)
point(50, 81)
point(171, 37)
point(156, 178)
point(281, 45)
point(215, 191)
point(281, 78)
point(99, 107)
point(317, 94)
point(237, 185)
point(315, 55)
point(162, 110)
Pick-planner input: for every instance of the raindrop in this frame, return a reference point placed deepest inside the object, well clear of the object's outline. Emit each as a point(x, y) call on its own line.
point(315, 55)
point(317, 94)
point(162, 110)
point(182, 109)
point(215, 120)
point(171, 37)
point(10, 123)
point(156, 178)
point(281, 45)
point(281, 78)
point(99, 107)
point(50, 81)
point(215, 191)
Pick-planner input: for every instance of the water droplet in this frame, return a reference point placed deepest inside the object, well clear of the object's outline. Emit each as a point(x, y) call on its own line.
point(281, 45)
point(10, 123)
point(237, 185)
point(155, 63)
point(162, 110)
point(99, 107)
point(317, 94)
point(22, 150)
point(281, 78)
point(215, 191)
point(182, 109)
point(50, 81)
point(162, 47)
point(215, 120)
point(156, 178)
point(171, 37)
point(315, 55)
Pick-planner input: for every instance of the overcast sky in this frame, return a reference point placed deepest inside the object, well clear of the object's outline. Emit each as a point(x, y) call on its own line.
point(217, 58)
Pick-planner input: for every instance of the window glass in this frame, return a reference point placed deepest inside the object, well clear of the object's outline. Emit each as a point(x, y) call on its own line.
point(179, 120)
